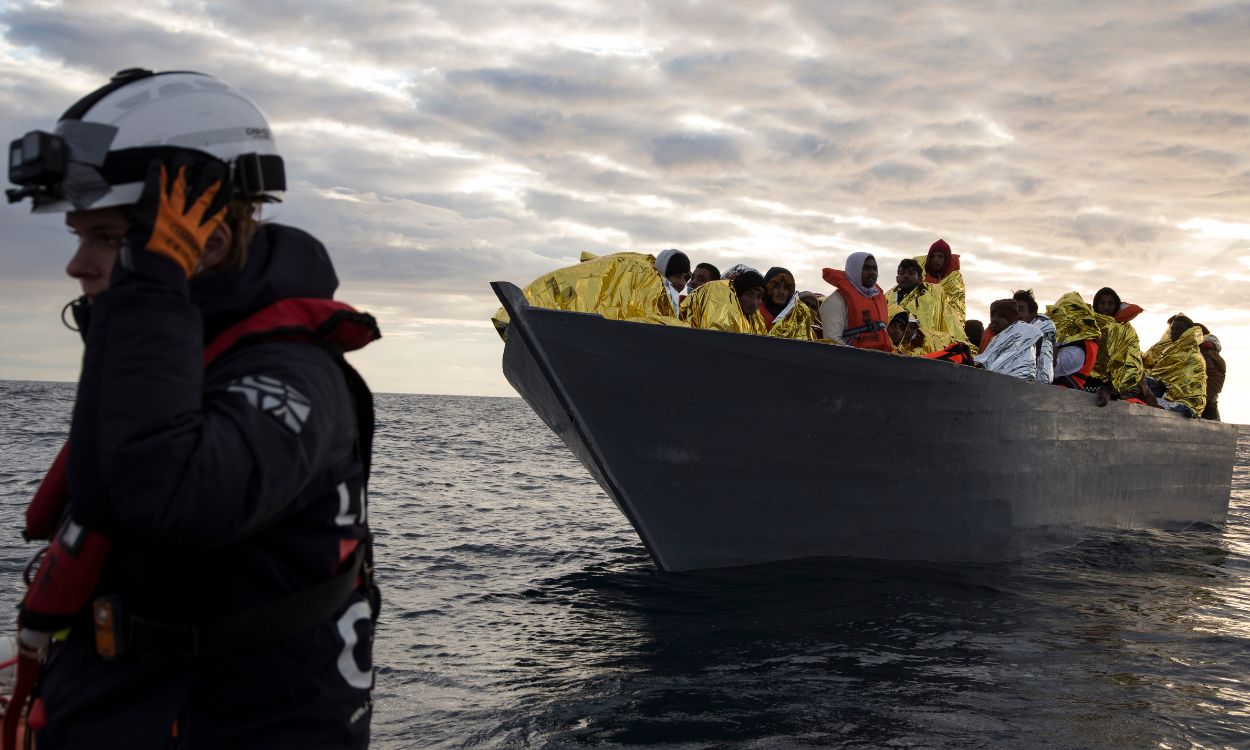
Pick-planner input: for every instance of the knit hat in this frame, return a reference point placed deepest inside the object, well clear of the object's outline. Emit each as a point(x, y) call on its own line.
point(748, 280)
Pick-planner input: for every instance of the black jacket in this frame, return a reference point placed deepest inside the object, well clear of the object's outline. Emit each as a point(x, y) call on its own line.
point(222, 489)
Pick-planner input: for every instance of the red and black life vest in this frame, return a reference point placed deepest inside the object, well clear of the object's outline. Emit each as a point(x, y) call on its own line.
point(62, 578)
point(958, 353)
point(865, 316)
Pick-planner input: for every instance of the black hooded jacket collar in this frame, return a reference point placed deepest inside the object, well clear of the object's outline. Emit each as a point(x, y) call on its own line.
point(282, 263)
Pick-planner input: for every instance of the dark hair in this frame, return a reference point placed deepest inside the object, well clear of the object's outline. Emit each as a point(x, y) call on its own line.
point(710, 269)
point(1026, 296)
point(1205, 331)
point(904, 315)
point(974, 330)
point(912, 264)
point(1184, 320)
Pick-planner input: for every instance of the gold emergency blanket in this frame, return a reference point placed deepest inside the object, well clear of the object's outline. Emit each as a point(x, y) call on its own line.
point(1181, 366)
point(797, 323)
point(1073, 318)
point(714, 306)
point(934, 341)
point(931, 341)
point(621, 286)
point(1119, 361)
point(931, 306)
point(1119, 355)
point(956, 296)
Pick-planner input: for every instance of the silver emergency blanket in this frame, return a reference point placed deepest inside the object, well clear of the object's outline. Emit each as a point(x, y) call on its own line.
point(1045, 349)
point(1013, 352)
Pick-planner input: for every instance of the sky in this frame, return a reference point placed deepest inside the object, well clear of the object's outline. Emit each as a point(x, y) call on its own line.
point(435, 147)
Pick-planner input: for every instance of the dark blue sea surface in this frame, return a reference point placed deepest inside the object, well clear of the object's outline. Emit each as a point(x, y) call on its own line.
point(522, 611)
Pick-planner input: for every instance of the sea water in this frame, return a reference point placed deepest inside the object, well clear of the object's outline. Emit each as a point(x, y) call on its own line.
point(522, 611)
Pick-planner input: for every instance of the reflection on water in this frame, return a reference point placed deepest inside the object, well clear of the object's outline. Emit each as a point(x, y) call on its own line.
point(521, 611)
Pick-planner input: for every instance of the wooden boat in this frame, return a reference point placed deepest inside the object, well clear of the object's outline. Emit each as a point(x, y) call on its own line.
point(726, 449)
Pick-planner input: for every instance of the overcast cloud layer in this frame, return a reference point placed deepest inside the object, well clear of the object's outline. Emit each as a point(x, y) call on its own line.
point(436, 147)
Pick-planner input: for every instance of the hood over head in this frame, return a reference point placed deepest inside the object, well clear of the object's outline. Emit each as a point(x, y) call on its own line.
point(952, 262)
point(282, 263)
point(736, 269)
point(854, 270)
point(672, 261)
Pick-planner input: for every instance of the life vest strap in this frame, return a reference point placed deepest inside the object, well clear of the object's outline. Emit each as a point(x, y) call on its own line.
point(252, 628)
point(875, 325)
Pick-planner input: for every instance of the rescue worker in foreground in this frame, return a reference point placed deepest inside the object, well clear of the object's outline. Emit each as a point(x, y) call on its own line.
point(941, 266)
point(784, 314)
point(855, 314)
point(212, 561)
point(731, 306)
point(1175, 369)
point(1013, 350)
point(926, 301)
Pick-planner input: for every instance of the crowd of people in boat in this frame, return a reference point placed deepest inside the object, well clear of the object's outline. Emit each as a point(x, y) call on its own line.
point(1089, 346)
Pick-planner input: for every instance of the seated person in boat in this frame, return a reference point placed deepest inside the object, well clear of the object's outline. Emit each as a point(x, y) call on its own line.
point(621, 286)
point(1107, 302)
point(1176, 371)
point(855, 314)
point(941, 266)
point(1026, 305)
point(912, 339)
point(784, 315)
point(1119, 366)
point(926, 301)
point(1217, 368)
point(1096, 353)
point(702, 274)
point(727, 305)
point(813, 301)
point(674, 266)
point(736, 269)
point(973, 331)
point(1013, 350)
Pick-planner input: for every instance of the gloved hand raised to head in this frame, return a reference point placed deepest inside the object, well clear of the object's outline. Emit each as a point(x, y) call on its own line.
point(183, 202)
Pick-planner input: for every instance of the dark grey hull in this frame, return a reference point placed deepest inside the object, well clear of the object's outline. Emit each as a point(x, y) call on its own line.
point(725, 449)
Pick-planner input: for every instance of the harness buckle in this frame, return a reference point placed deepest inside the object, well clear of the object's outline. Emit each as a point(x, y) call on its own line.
point(106, 619)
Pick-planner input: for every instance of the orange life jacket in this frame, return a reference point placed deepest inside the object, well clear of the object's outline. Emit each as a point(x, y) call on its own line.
point(1079, 378)
point(1127, 312)
point(865, 316)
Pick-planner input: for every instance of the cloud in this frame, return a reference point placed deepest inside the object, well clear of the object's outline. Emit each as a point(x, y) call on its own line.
point(685, 149)
point(438, 146)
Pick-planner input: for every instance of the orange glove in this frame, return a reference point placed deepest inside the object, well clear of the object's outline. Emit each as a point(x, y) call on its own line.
point(175, 220)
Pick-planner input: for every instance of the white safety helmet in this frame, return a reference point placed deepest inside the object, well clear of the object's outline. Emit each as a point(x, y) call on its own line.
point(100, 152)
